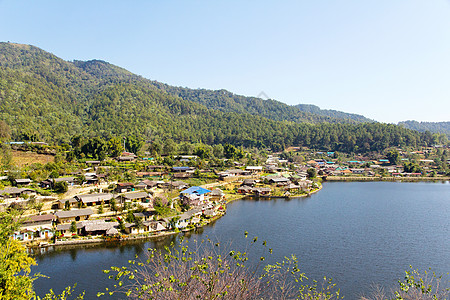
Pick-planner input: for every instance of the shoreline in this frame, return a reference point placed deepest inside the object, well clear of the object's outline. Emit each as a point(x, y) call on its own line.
point(98, 241)
point(389, 179)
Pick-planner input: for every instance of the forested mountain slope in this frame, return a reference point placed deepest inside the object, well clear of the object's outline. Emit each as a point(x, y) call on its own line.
point(314, 109)
point(43, 97)
point(436, 127)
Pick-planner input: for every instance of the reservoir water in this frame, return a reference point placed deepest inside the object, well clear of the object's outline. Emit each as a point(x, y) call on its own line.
point(358, 233)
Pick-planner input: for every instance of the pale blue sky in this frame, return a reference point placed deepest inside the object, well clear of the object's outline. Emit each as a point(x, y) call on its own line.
point(386, 59)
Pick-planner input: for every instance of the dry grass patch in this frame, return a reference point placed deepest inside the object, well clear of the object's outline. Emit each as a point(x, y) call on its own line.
point(21, 158)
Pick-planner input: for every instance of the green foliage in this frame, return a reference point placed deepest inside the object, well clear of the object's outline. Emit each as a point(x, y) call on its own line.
point(114, 147)
point(5, 131)
point(207, 270)
point(61, 187)
point(100, 209)
point(15, 279)
point(412, 167)
point(73, 227)
point(436, 127)
point(311, 172)
point(394, 156)
point(16, 283)
point(60, 99)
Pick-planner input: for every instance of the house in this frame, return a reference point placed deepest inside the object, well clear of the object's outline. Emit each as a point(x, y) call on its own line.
point(188, 218)
point(238, 172)
point(99, 227)
point(14, 192)
point(194, 196)
point(69, 180)
point(249, 182)
point(254, 169)
point(148, 174)
point(64, 229)
point(182, 169)
point(125, 158)
point(41, 220)
point(217, 195)
point(178, 185)
point(146, 184)
point(279, 180)
point(148, 226)
point(49, 183)
point(358, 171)
point(73, 215)
point(24, 181)
point(94, 199)
point(91, 178)
point(292, 187)
point(145, 215)
point(24, 234)
point(261, 191)
point(93, 162)
point(136, 196)
point(123, 187)
point(72, 203)
point(244, 189)
point(182, 175)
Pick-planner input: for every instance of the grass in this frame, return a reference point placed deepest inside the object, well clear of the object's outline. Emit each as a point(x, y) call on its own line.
point(21, 159)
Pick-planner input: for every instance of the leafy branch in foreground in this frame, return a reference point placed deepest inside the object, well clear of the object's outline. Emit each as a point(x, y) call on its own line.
point(16, 280)
point(211, 271)
point(416, 285)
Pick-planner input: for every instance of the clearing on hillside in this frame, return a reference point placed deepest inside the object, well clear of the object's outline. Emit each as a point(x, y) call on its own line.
point(21, 158)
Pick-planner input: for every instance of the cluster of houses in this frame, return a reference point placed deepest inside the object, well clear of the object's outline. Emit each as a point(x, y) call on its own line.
point(290, 183)
point(71, 221)
point(355, 167)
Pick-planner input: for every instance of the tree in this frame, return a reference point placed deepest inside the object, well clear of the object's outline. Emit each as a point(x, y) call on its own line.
point(67, 205)
point(5, 132)
point(113, 205)
point(61, 187)
point(73, 227)
point(100, 209)
point(15, 279)
point(170, 147)
point(139, 222)
point(229, 151)
point(311, 172)
point(115, 147)
point(134, 143)
point(218, 150)
point(16, 283)
point(394, 156)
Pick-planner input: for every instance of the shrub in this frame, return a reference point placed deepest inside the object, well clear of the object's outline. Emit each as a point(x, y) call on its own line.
point(207, 270)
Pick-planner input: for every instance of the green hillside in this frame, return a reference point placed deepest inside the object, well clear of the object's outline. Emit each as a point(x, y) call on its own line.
point(436, 127)
point(314, 109)
point(44, 98)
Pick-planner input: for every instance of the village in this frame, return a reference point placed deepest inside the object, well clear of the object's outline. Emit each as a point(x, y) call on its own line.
point(86, 206)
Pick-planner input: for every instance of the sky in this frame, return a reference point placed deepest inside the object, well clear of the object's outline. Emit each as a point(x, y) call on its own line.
point(388, 60)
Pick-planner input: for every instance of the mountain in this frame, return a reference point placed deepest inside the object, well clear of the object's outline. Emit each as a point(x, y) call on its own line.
point(313, 109)
point(435, 127)
point(43, 97)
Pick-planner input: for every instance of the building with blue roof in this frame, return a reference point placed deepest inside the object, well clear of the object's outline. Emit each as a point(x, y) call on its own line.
point(194, 196)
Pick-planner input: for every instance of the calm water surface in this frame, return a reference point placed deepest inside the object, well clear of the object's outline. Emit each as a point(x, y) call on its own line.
point(357, 233)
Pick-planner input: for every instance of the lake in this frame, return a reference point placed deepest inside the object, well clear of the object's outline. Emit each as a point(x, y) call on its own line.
point(359, 233)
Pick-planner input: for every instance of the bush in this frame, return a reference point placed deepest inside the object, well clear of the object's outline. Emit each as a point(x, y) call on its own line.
point(207, 270)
